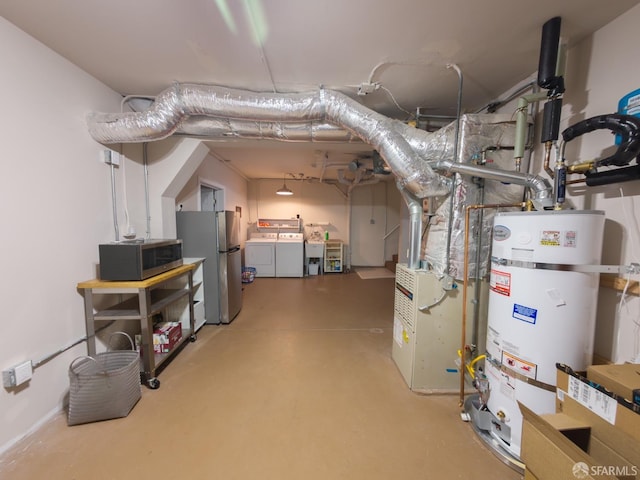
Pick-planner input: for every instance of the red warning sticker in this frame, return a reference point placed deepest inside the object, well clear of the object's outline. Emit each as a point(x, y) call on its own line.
point(500, 282)
point(516, 364)
point(571, 239)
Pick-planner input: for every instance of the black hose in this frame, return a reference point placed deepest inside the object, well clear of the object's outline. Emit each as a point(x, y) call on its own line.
point(613, 176)
point(627, 126)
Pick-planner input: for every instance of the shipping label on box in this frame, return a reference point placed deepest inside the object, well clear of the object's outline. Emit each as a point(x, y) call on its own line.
point(589, 397)
point(621, 379)
point(615, 422)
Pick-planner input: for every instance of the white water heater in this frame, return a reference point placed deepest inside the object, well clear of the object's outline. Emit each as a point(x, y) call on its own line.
point(541, 310)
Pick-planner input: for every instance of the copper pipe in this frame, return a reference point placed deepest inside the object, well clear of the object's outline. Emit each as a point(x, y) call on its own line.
point(465, 283)
point(577, 180)
point(547, 157)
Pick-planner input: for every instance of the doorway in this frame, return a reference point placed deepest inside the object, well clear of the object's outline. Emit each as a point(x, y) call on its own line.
point(368, 224)
point(211, 198)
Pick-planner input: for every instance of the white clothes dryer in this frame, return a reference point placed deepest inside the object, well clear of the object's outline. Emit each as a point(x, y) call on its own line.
point(260, 253)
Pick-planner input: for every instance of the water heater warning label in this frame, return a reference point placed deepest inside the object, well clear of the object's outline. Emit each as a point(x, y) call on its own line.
point(555, 238)
point(550, 238)
point(519, 365)
point(500, 282)
point(526, 314)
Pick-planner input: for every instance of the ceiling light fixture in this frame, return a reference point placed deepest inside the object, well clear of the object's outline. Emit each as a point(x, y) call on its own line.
point(284, 190)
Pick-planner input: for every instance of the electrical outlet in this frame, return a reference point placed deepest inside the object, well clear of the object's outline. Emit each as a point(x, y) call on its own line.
point(18, 374)
point(24, 372)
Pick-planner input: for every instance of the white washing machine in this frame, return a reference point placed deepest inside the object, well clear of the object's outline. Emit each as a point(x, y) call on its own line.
point(290, 255)
point(260, 253)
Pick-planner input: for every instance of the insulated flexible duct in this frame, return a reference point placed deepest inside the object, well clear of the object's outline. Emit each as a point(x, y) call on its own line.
point(226, 129)
point(179, 102)
point(408, 152)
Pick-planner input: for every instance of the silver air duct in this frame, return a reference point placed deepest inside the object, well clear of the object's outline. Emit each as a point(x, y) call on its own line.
point(358, 180)
point(318, 116)
point(226, 129)
point(177, 103)
point(424, 163)
point(415, 227)
point(485, 151)
point(543, 194)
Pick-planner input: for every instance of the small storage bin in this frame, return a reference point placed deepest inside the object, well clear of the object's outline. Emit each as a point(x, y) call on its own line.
point(314, 268)
point(105, 386)
point(248, 274)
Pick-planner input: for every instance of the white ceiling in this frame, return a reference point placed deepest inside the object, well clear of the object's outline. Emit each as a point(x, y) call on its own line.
point(141, 47)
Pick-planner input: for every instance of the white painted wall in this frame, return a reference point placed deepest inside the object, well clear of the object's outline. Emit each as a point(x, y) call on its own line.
point(372, 218)
point(314, 202)
point(217, 174)
point(394, 226)
point(322, 203)
point(601, 70)
point(55, 206)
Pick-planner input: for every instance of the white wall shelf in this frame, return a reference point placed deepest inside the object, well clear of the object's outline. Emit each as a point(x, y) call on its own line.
point(333, 256)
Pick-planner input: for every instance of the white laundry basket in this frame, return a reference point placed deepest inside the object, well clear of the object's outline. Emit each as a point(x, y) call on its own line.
point(105, 386)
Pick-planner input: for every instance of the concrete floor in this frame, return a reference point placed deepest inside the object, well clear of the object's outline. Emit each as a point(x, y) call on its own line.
point(301, 385)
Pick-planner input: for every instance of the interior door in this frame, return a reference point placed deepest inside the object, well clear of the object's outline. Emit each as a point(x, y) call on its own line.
point(368, 223)
point(211, 198)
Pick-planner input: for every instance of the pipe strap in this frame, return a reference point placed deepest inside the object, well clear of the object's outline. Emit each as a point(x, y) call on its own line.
point(539, 265)
point(517, 375)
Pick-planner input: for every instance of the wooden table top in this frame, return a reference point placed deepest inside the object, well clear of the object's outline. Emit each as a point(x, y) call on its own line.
point(137, 284)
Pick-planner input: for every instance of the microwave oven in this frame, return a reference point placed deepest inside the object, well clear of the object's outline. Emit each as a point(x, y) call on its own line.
point(138, 259)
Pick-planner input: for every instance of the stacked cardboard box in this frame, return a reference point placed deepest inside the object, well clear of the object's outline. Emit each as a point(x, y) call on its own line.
point(595, 433)
point(622, 380)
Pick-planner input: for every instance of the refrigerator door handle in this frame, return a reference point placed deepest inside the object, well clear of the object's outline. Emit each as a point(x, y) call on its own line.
point(231, 250)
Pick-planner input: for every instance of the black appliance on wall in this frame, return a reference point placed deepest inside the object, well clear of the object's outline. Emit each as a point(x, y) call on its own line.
point(138, 259)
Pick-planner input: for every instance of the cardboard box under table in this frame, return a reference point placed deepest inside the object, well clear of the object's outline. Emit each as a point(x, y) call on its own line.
point(166, 336)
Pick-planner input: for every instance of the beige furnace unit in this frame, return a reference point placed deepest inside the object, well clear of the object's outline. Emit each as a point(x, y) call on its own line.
point(427, 328)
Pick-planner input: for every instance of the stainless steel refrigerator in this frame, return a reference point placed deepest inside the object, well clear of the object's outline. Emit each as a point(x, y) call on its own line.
point(215, 236)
